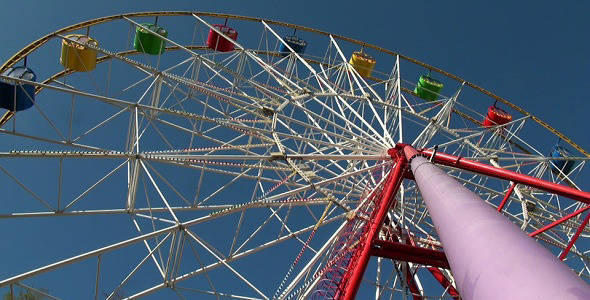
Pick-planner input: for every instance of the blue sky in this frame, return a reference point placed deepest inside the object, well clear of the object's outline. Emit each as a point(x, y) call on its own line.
point(534, 54)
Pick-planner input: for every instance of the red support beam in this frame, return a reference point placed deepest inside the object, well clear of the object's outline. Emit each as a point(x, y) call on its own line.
point(477, 167)
point(557, 222)
point(433, 258)
point(357, 271)
point(575, 237)
point(412, 284)
point(408, 253)
point(442, 279)
point(507, 196)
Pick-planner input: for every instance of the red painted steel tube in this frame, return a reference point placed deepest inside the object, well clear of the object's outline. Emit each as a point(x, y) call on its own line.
point(557, 222)
point(575, 237)
point(442, 279)
point(507, 196)
point(469, 165)
point(412, 251)
point(403, 252)
point(387, 199)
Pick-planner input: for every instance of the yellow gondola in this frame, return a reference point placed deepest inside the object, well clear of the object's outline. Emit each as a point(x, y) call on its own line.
point(362, 63)
point(76, 56)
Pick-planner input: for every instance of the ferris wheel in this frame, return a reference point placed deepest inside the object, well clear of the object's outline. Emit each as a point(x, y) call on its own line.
point(204, 155)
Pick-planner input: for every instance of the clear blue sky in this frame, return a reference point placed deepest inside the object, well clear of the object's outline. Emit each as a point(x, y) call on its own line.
point(535, 54)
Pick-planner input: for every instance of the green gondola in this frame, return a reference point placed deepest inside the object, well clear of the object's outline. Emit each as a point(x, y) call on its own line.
point(428, 88)
point(148, 42)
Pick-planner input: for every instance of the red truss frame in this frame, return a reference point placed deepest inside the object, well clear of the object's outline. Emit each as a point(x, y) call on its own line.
point(347, 273)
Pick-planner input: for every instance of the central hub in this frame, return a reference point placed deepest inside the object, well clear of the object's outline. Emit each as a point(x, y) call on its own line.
point(393, 152)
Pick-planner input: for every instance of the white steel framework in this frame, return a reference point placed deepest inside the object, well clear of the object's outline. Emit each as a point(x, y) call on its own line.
point(232, 175)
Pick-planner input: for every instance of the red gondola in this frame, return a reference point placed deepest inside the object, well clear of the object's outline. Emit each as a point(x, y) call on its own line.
point(496, 116)
point(217, 42)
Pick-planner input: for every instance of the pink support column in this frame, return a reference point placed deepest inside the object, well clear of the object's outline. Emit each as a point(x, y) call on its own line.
point(490, 257)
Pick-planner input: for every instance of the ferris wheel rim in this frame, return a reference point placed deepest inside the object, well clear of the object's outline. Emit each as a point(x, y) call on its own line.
point(34, 45)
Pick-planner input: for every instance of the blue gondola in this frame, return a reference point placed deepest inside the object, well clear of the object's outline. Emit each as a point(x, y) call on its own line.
point(296, 43)
point(15, 96)
point(564, 165)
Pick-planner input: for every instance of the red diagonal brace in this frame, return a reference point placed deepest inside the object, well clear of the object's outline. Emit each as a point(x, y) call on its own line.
point(408, 253)
point(507, 196)
point(442, 279)
point(561, 220)
point(412, 284)
point(575, 237)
